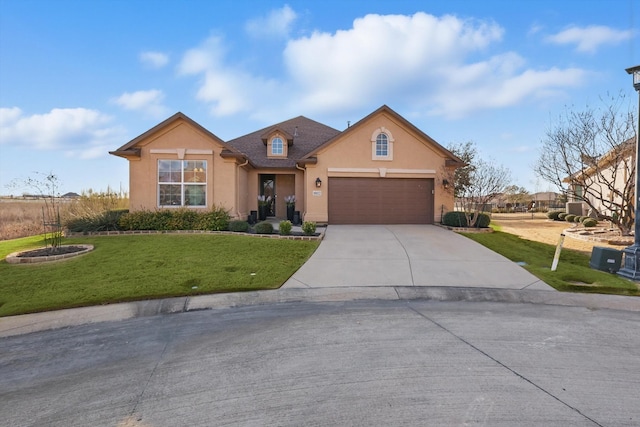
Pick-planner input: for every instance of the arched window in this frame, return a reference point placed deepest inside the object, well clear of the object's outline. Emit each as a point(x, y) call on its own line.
point(277, 146)
point(382, 145)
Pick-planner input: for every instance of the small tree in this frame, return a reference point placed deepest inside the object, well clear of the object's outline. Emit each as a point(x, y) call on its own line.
point(461, 177)
point(589, 155)
point(46, 186)
point(476, 183)
point(516, 195)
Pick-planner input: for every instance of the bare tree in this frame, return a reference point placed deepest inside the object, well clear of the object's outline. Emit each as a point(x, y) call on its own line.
point(478, 182)
point(46, 186)
point(589, 155)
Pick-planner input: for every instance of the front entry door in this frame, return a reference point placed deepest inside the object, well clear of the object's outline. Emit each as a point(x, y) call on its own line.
point(268, 188)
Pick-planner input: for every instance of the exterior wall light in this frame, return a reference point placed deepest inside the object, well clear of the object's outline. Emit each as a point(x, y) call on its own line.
point(318, 182)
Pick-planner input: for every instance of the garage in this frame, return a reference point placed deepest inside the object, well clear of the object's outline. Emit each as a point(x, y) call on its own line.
point(381, 200)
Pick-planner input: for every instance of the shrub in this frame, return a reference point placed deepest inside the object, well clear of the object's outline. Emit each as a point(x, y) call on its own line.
point(264, 228)
point(553, 215)
point(590, 222)
point(569, 217)
point(239, 226)
point(561, 216)
point(309, 228)
point(579, 219)
point(103, 221)
point(181, 219)
point(284, 228)
point(139, 220)
point(459, 219)
point(455, 219)
point(217, 219)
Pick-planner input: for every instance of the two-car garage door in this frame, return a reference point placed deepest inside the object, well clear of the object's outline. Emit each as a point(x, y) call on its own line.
point(381, 201)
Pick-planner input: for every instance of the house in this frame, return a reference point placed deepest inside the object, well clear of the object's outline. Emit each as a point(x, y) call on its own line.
point(380, 170)
point(606, 183)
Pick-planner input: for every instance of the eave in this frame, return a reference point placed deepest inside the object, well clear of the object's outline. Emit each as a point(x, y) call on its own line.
point(130, 154)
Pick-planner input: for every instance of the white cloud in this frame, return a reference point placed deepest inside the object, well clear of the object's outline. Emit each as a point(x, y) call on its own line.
point(276, 24)
point(146, 101)
point(443, 66)
point(590, 39)
point(154, 59)
point(80, 132)
point(229, 89)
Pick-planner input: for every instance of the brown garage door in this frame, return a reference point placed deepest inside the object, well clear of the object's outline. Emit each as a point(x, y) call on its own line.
point(380, 201)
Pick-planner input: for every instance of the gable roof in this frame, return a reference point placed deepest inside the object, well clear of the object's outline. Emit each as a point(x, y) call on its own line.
point(130, 149)
point(451, 159)
point(612, 157)
point(306, 136)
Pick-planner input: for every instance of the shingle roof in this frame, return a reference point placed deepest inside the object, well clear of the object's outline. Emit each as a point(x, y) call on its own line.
point(308, 136)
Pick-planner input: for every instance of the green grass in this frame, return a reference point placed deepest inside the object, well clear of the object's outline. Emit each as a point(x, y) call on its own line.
point(10, 246)
point(573, 267)
point(127, 268)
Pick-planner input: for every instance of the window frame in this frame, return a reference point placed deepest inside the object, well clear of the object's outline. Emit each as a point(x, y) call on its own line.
point(377, 153)
point(191, 175)
point(280, 145)
point(382, 145)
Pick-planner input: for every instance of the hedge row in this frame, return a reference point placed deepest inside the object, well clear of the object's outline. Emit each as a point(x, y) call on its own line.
point(216, 219)
point(579, 219)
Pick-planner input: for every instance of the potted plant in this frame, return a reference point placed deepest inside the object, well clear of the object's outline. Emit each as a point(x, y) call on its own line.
point(263, 206)
point(291, 206)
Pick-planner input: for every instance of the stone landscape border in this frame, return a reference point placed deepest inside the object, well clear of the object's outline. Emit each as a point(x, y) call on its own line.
point(14, 258)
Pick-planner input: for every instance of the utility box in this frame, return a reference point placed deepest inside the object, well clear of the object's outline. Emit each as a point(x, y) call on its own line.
point(575, 208)
point(606, 259)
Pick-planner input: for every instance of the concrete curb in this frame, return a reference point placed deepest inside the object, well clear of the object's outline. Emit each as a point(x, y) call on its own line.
point(27, 323)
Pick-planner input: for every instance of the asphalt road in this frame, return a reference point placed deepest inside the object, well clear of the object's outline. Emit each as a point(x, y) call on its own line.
point(350, 363)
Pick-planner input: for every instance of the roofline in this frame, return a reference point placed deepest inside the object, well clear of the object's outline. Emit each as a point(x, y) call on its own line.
point(386, 109)
point(178, 116)
point(130, 153)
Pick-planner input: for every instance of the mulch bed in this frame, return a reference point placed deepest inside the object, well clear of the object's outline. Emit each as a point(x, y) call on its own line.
point(42, 252)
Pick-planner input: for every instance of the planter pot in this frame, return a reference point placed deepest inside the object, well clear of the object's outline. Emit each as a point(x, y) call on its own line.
point(290, 210)
point(262, 212)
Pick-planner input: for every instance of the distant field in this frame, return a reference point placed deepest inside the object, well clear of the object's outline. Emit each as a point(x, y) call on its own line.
point(20, 218)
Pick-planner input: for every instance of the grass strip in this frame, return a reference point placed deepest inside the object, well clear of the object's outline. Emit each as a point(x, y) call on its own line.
point(573, 273)
point(134, 267)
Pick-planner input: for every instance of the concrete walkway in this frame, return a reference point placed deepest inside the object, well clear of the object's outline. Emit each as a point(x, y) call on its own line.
point(407, 255)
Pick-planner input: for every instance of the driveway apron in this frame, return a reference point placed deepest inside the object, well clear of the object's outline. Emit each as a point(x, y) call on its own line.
point(407, 255)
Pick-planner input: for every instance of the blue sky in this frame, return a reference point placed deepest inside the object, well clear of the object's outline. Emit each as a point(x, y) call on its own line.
point(79, 78)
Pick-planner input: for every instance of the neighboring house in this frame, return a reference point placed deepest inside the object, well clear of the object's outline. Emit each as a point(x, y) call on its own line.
point(380, 170)
point(605, 180)
point(547, 200)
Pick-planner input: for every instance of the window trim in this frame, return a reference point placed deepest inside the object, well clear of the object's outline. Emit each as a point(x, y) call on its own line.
point(374, 144)
point(183, 183)
point(280, 144)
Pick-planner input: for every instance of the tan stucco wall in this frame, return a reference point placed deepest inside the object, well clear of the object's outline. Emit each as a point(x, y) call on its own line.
point(413, 157)
point(288, 182)
point(143, 173)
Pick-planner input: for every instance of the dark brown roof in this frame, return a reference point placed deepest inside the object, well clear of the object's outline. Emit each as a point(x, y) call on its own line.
point(308, 136)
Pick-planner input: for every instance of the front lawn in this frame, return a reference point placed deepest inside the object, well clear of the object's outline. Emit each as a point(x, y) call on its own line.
point(573, 273)
point(134, 267)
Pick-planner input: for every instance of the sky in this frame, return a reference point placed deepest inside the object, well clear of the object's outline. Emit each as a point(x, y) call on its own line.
point(81, 78)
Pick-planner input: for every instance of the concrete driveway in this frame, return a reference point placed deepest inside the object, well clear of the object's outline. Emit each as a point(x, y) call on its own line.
point(407, 255)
